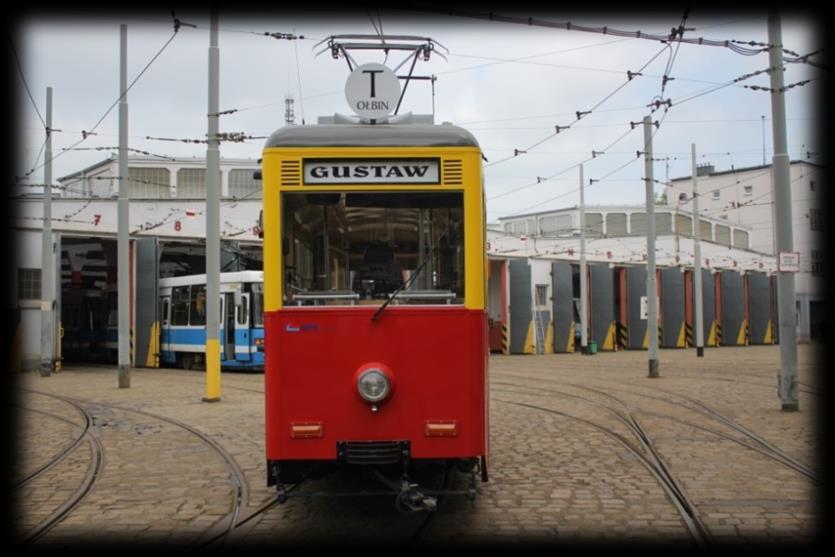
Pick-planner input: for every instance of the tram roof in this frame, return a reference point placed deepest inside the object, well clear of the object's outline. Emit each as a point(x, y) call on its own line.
point(379, 135)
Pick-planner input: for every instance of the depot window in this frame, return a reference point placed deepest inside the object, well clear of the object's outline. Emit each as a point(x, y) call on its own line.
point(359, 248)
point(29, 284)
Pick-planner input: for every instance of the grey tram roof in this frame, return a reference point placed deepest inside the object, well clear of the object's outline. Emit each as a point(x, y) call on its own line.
point(379, 135)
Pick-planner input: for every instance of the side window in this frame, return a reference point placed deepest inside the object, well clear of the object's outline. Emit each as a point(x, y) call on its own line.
point(164, 312)
point(179, 305)
point(243, 311)
point(197, 305)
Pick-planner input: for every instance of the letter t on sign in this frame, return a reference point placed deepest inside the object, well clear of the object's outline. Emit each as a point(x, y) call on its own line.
point(371, 74)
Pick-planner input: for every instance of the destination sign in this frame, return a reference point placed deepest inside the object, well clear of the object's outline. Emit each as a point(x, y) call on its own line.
point(377, 171)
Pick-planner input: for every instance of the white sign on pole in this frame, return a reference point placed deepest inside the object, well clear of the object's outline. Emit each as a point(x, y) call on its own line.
point(645, 306)
point(372, 91)
point(788, 262)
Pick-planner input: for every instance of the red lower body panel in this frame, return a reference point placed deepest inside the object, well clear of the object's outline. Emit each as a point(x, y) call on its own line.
point(437, 357)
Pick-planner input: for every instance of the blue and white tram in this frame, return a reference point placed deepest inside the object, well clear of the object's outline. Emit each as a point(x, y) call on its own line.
point(182, 306)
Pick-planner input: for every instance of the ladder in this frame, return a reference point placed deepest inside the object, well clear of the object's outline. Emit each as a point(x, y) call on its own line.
point(540, 332)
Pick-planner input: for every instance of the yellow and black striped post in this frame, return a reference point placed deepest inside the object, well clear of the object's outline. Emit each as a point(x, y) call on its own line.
point(610, 340)
point(623, 336)
point(505, 339)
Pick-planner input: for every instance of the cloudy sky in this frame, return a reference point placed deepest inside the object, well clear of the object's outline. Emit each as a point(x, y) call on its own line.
point(509, 84)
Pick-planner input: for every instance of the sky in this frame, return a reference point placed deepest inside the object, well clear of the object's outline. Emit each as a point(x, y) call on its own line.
point(511, 85)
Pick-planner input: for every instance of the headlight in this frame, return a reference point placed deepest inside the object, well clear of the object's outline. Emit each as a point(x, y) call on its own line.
point(373, 385)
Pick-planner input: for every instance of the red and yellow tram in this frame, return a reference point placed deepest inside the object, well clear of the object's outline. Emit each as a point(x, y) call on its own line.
point(374, 293)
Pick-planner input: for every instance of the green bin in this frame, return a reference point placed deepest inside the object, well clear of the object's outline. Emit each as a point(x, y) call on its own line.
point(592, 347)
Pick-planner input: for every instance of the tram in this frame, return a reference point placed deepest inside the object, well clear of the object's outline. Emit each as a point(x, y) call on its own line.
point(182, 307)
point(375, 306)
point(91, 325)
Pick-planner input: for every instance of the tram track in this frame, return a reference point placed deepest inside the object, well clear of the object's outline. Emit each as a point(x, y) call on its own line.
point(234, 533)
point(729, 430)
point(751, 440)
point(61, 454)
point(650, 459)
point(645, 453)
point(93, 473)
point(236, 475)
point(758, 444)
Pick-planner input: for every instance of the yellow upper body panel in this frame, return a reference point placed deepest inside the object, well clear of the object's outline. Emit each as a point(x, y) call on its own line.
point(458, 169)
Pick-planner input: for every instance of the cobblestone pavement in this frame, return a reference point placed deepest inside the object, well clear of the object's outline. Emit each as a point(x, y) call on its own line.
point(566, 463)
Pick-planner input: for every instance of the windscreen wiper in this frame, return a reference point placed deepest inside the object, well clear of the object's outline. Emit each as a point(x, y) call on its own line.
point(411, 279)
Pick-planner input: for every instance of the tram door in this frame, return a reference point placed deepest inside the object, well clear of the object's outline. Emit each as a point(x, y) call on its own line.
point(242, 312)
point(165, 317)
point(228, 326)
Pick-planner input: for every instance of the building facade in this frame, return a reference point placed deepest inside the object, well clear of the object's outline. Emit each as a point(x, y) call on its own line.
point(613, 221)
point(161, 178)
point(745, 197)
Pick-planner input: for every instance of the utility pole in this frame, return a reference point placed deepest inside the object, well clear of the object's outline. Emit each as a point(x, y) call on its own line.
point(213, 220)
point(123, 210)
point(783, 220)
point(697, 263)
point(47, 263)
point(652, 291)
point(584, 279)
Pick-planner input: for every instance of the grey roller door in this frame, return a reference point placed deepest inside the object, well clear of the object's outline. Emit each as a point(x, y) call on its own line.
point(672, 308)
point(520, 304)
point(733, 309)
point(146, 328)
point(563, 306)
point(602, 306)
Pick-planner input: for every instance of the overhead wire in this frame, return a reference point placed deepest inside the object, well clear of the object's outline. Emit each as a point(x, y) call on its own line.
point(579, 114)
point(734, 45)
point(671, 103)
point(657, 124)
point(26, 84)
point(85, 134)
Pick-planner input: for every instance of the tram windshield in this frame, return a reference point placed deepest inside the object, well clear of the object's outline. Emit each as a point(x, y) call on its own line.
point(360, 248)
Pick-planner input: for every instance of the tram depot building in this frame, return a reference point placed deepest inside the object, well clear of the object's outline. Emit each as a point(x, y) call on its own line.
point(533, 283)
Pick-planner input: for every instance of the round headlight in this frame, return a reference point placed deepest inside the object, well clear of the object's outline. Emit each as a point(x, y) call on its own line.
point(373, 385)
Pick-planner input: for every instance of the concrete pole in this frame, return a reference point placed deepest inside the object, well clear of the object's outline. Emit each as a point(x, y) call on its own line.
point(584, 279)
point(213, 220)
point(652, 291)
point(47, 263)
point(123, 209)
point(697, 263)
point(787, 385)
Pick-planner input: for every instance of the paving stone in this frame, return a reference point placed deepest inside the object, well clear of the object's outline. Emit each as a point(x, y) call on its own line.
point(553, 477)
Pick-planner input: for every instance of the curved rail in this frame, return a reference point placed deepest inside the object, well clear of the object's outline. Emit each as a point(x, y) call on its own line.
point(62, 454)
point(757, 444)
point(651, 462)
point(86, 486)
point(236, 475)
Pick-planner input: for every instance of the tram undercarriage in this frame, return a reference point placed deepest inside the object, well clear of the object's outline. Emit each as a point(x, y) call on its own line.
point(416, 484)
